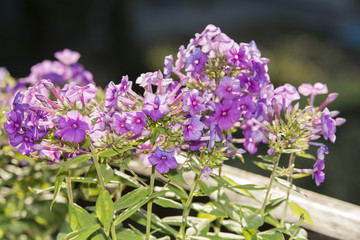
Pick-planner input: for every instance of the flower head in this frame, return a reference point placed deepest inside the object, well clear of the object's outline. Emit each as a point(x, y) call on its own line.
point(119, 123)
point(237, 55)
point(328, 126)
point(67, 56)
point(137, 121)
point(318, 174)
point(164, 160)
point(226, 114)
point(205, 173)
point(196, 61)
point(193, 102)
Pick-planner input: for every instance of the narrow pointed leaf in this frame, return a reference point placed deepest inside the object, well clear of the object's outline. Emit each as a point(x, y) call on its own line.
point(132, 198)
point(76, 160)
point(105, 209)
point(58, 181)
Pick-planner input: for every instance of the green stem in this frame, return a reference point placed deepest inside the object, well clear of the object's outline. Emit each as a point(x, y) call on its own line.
point(289, 178)
point(272, 178)
point(218, 220)
point(113, 232)
point(149, 205)
point(187, 207)
point(68, 186)
point(97, 167)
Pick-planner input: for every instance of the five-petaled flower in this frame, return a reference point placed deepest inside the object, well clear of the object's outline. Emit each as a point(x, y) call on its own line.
point(164, 160)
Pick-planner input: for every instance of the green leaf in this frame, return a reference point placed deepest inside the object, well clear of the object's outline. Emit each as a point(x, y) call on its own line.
point(176, 175)
point(269, 158)
point(224, 236)
point(111, 152)
point(209, 208)
point(84, 180)
point(289, 185)
point(305, 155)
point(79, 218)
point(127, 179)
point(252, 221)
point(271, 235)
point(132, 198)
point(274, 203)
point(126, 233)
point(168, 203)
point(128, 212)
point(290, 151)
point(204, 188)
point(76, 160)
point(301, 213)
point(82, 234)
point(199, 229)
point(178, 191)
point(107, 172)
point(58, 181)
point(105, 209)
point(154, 135)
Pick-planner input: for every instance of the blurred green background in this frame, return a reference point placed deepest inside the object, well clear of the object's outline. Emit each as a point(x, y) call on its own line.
point(306, 41)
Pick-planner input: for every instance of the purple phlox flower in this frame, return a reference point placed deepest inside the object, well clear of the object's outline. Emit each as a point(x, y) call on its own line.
point(25, 140)
point(55, 71)
point(237, 55)
point(328, 126)
point(155, 106)
point(163, 159)
point(125, 84)
point(261, 113)
point(81, 76)
point(111, 95)
point(253, 50)
point(226, 114)
point(228, 88)
point(195, 145)
point(46, 150)
point(193, 129)
point(308, 89)
point(196, 61)
point(285, 95)
point(67, 56)
point(179, 64)
point(330, 98)
point(98, 130)
point(82, 94)
point(32, 122)
point(119, 123)
point(3, 74)
point(340, 121)
point(73, 127)
point(259, 69)
point(193, 102)
point(38, 89)
point(214, 136)
point(247, 106)
point(146, 146)
point(322, 150)
point(168, 66)
point(137, 121)
point(318, 174)
point(147, 79)
point(14, 123)
point(253, 136)
point(205, 173)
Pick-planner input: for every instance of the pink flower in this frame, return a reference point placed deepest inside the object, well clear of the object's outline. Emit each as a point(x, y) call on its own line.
point(67, 56)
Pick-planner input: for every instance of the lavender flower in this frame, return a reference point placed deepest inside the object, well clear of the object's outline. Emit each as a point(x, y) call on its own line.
point(318, 174)
point(73, 127)
point(226, 114)
point(67, 56)
point(237, 55)
point(137, 121)
point(82, 94)
point(25, 140)
point(328, 125)
point(14, 123)
point(307, 89)
point(163, 159)
point(155, 106)
point(196, 61)
point(193, 102)
point(228, 88)
point(286, 94)
point(119, 123)
point(193, 129)
point(205, 173)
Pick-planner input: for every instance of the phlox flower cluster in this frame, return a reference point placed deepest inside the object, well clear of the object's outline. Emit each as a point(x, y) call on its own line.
point(213, 88)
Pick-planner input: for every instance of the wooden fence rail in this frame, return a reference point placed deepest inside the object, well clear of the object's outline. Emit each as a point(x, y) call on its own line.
point(332, 217)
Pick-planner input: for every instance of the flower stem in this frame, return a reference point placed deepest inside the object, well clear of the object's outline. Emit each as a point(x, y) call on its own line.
point(97, 167)
point(289, 178)
point(272, 178)
point(218, 220)
point(187, 207)
point(68, 186)
point(113, 232)
point(149, 205)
